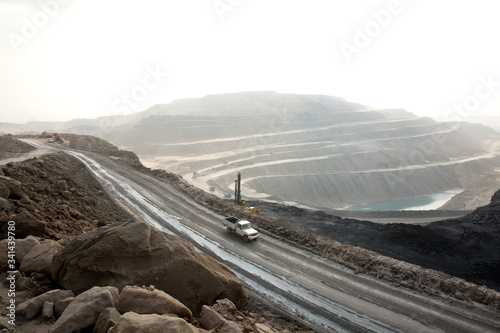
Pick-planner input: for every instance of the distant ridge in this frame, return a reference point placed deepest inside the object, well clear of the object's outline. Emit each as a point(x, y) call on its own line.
point(314, 150)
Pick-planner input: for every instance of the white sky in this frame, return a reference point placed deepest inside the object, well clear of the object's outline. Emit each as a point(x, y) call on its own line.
point(68, 59)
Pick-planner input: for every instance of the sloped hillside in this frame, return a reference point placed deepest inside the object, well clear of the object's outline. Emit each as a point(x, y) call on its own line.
point(10, 147)
point(318, 151)
point(466, 247)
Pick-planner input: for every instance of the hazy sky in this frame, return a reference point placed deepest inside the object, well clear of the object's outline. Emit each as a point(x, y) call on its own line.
point(68, 59)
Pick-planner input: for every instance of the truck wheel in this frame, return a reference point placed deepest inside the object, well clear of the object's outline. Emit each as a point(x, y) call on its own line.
point(245, 238)
point(229, 230)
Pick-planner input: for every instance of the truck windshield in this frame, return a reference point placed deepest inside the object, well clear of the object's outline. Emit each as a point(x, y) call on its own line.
point(246, 226)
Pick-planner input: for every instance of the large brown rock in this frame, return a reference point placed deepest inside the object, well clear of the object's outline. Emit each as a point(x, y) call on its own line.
point(61, 305)
point(210, 319)
point(32, 307)
point(107, 319)
point(142, 301)
point(4, 191)
point(13, 186)
point(24, 246)
point(39, 259)
point(5, 204)
point(151, 323)
point(85, 309)
point(137, 254)
point(25, 224)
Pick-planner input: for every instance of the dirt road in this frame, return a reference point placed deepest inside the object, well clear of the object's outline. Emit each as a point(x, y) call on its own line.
point(326, 295)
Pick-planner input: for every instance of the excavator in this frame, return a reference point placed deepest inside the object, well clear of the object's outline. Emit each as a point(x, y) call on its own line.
point(237, 194)
point(53, 136)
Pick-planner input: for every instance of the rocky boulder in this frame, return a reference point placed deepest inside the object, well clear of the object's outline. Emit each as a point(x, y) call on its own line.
point(39, 259)
point(61, 305)
point(4, 191)
point(107, 319)
point(210, 319)
point(85, 309)
point(5, 204)
point(134, 253)
point(24, 246)
point(33, 307)
point(151, 323)
point(143, 301)
point(26, 224)
point(13, 188)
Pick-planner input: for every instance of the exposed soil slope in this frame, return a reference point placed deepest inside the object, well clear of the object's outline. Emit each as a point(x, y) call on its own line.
point(10, 147)
point(318, 151)
point(467, 247)
point(78, 207)
point(414, 276)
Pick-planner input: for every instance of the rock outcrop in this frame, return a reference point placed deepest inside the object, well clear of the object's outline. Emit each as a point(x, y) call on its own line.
point(33, 307)
point(26, 224)
point(39, 259)
point(151, 323)
point(107, 319)
point(24, 246)
point(150, 300)
point(32, 198)
point(210, 319)
point(85, 309)
point(137, 254)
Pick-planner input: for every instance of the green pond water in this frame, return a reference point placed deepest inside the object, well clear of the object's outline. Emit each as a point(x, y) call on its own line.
point(425, 202)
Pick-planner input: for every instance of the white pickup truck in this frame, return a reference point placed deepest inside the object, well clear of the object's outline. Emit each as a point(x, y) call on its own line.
point(240, 227)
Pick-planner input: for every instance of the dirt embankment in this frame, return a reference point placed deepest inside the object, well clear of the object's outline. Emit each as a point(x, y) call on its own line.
point(11, 147)
point(97, 145)
point(56, 198)
point(467, 247)
point(60, 190)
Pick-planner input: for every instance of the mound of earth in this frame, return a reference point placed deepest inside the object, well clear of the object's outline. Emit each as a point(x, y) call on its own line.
point(98, 145)
point(53, 197)
point(10, 147)
point(58, 190)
